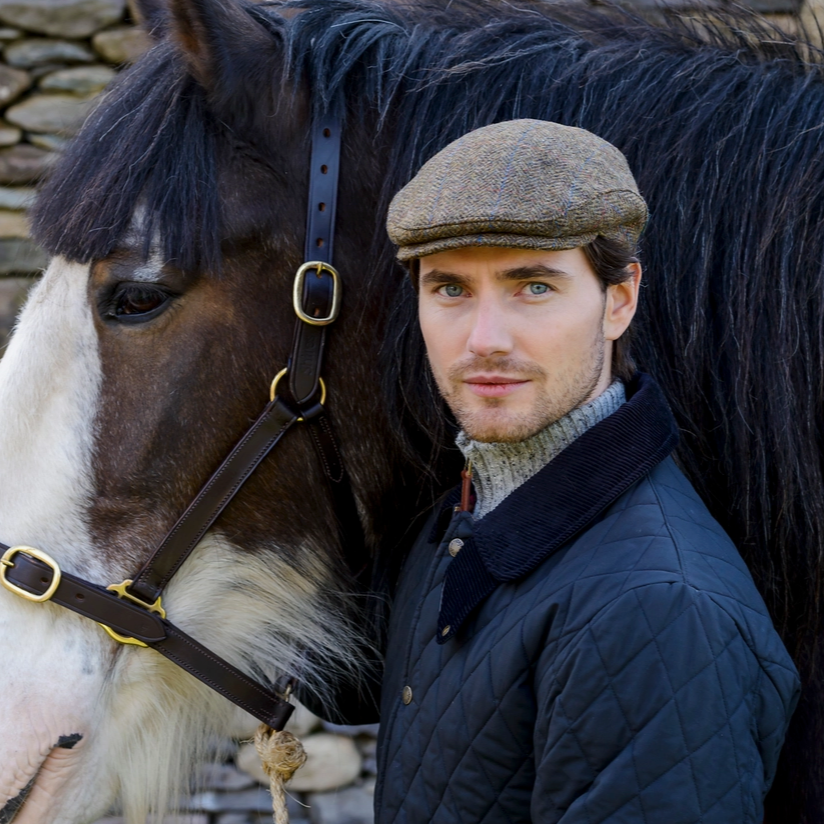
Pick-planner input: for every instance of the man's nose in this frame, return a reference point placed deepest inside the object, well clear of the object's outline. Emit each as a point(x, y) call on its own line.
point(490, 334)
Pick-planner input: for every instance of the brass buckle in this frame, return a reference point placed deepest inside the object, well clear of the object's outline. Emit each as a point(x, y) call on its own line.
point(6, 562)
point(297, 293)
point(122, 592)
point(273, 389)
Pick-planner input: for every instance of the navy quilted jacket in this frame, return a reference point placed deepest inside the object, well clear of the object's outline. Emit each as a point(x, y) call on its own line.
point(596, 651)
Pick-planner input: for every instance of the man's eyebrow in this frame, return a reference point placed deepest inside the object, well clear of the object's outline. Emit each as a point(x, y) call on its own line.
point(537, 270)
point(438, 276)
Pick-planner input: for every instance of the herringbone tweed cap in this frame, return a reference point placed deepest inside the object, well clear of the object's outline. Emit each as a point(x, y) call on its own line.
point(529, 184)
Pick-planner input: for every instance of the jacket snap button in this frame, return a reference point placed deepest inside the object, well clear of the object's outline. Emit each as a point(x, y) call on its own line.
point(406, 695)
point(455, 546)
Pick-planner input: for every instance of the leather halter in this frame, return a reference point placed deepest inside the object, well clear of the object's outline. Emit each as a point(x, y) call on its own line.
point(131, 612)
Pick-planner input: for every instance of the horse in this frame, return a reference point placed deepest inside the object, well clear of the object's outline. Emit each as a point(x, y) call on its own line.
point(176, 222)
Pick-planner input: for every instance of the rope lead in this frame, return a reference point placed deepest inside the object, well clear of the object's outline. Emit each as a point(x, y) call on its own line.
point(281, 755)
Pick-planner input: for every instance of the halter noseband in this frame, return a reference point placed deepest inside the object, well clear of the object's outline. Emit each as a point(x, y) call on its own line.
point(131, 612)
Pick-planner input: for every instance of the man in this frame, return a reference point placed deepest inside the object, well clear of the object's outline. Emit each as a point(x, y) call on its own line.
point(574, 639)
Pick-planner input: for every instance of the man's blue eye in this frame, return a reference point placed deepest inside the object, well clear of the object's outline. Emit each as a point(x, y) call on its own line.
point(452, 290)
point(538, 288)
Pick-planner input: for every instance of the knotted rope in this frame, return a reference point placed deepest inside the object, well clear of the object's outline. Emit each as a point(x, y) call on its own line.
point(281, 755)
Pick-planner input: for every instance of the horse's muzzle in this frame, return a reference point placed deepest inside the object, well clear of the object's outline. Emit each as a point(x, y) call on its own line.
point(14, 805)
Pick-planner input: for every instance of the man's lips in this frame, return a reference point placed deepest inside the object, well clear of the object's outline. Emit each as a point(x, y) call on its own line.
point(493, 386)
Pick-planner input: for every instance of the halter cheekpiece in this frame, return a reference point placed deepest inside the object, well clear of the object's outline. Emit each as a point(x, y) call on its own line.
point(131, 612)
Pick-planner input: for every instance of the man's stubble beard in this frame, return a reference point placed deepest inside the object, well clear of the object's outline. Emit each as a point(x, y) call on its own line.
point(550, 405)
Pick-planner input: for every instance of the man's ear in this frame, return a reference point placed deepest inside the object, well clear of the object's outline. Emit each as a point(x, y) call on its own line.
point(621, 304)
point(151, 15)
point(223, 44)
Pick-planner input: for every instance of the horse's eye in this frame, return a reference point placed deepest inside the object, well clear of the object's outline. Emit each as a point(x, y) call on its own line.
point(136, 302)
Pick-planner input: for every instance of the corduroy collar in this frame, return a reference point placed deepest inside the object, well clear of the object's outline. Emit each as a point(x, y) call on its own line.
point(563, 498)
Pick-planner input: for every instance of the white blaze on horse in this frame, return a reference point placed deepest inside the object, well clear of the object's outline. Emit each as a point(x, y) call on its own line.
point(177, 219)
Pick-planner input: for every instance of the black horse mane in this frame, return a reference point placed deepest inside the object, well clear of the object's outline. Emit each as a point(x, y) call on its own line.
point(722, 124)
point(433, 69)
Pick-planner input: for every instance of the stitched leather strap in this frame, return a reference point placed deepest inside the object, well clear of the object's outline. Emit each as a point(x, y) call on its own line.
point(215, 496)
point(309, 341)
point(132, 621)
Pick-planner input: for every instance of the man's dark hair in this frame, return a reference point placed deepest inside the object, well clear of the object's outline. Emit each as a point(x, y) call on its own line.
point(611, 260)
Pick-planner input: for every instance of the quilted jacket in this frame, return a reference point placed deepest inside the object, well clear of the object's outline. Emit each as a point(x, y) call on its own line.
point(593, 650)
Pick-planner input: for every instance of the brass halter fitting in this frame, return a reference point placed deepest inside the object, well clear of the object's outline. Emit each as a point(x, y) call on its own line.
point(122, 591)
point(273, 389)
point(7, 561)
point(297, 292)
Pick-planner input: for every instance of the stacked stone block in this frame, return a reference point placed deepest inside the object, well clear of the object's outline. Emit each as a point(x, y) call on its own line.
point(335, 786)
point(56, 56)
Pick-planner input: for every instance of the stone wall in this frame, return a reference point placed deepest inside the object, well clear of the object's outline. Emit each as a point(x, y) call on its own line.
point(55, 58)
point(335, 786)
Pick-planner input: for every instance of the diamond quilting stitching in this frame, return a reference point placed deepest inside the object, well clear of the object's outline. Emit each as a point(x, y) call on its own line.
point(610, 562)
point(609, 688)
point(665, 665)
point(721, 691)
point(497, 804)
point(674, 694)
point(468, 751)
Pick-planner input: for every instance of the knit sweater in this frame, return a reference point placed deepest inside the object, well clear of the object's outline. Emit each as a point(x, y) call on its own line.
point(500, 468)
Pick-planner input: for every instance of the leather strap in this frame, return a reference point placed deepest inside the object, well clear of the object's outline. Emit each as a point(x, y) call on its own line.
point(309, 341)
point(86, 599)
point(215, 496)
point(134, 622)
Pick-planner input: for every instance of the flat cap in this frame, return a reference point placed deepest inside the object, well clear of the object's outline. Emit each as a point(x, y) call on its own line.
point(529, 184)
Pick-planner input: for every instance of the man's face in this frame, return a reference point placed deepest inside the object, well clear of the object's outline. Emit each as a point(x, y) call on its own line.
point(518, 338)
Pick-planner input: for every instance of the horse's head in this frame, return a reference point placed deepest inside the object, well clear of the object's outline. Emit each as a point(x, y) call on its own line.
point(177, 223)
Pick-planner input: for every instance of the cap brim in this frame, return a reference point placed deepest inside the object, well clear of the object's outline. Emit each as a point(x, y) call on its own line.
point(512, 241)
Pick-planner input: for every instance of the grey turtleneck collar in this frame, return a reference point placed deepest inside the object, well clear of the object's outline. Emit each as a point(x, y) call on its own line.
point(500, 468)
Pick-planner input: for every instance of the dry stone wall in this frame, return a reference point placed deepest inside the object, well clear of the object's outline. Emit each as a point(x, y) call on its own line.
point(56, 56)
